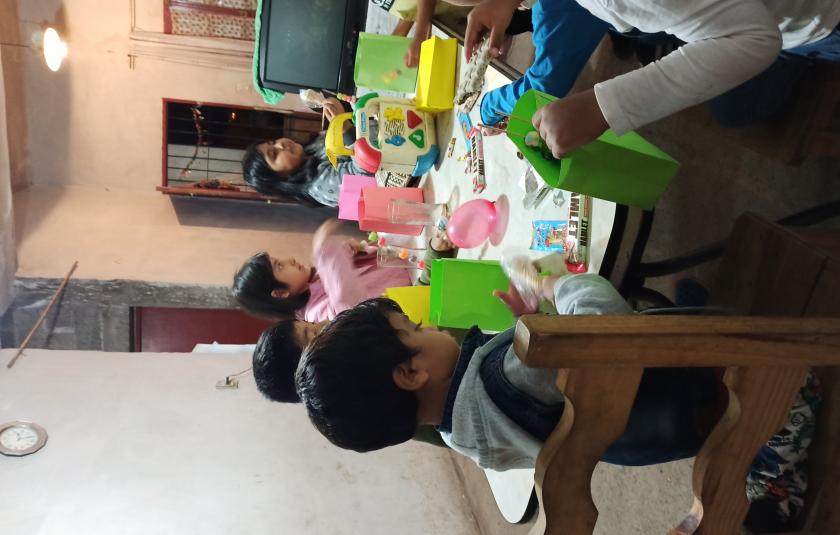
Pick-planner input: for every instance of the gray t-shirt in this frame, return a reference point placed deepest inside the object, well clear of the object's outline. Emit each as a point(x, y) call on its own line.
point(480, 430)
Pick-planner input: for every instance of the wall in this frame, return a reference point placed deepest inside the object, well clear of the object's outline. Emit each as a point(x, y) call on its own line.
point(7, 235)
point(146, 444)
point(98, 121)
point(148, 236)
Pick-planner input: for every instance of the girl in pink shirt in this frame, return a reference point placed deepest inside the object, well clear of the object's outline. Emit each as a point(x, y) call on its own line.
point(342, 276)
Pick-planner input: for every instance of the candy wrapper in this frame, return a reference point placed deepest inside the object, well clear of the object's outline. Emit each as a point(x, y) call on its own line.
point(549, 235)
point(577, 235)
point(466, 126)
point(477, 160)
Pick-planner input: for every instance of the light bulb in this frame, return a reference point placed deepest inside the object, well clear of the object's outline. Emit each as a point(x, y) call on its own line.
point(55, 50)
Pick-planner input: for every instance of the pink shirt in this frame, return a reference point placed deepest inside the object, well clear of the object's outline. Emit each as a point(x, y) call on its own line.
point(344, 278)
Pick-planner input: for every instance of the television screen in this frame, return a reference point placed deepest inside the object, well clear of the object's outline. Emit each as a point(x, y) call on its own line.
point(309, 43)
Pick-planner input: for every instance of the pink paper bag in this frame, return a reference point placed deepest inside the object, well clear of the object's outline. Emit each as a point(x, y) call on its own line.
point(373, 209)
point(348, 196)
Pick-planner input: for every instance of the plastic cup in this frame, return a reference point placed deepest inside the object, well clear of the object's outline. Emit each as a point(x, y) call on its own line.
point(406, 212)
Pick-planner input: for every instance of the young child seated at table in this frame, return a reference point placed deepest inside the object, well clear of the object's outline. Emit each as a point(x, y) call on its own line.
point(452, 12)
point(372, 376)
point(276, 357)
point(279, 347)
point(343, 275)
point(284, 167)
point(728, 42)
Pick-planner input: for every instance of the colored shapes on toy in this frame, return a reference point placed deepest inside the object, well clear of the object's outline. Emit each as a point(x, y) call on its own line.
point(396, 114)
point(373, 237)
point(418, 137)
point(381, 241)
point(411, 118)
point(403, 254)
point(421, 264)
point(395, 140)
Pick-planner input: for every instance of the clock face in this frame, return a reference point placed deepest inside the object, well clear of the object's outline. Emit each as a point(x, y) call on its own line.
point(21, 438)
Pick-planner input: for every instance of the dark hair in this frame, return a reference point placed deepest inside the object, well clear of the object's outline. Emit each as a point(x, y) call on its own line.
point(345, 380)
point(269, 182)
point(275, 360)
point(252, 287)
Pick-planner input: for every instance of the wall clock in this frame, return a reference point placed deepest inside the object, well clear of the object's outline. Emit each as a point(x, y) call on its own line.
point(21, 438)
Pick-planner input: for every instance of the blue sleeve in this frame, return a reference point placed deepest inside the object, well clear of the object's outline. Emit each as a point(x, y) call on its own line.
point(565, 35)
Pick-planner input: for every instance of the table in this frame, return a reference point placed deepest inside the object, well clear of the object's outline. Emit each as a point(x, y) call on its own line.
point(503, 170)
point(612, 246)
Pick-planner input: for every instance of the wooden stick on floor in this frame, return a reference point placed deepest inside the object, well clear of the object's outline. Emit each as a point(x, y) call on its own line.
point(43, 315)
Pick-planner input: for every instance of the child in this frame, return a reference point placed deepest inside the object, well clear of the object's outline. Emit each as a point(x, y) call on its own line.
point(276, 357)
point(371, 377)
point(453, 12)
point(728, 42)
point(343, 276)
point(286, 168)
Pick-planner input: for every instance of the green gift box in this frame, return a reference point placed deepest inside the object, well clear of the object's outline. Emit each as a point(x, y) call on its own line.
point(380, 63)
point(462, 295)
point(623, 169)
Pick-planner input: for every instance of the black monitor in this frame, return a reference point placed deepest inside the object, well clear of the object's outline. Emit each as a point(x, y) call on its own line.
point(310, 44)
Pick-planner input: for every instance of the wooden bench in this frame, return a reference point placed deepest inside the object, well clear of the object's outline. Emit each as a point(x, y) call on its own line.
point(784, 285)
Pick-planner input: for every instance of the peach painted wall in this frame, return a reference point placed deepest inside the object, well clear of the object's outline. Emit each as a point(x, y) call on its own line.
point(144, 236)
point(93, 158)
point(97, 122)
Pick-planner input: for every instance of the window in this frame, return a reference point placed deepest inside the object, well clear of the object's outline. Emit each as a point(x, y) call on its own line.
point(233, 19)
point(203, 145)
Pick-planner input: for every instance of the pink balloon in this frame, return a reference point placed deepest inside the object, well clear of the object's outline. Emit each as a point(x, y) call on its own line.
point(472, 223)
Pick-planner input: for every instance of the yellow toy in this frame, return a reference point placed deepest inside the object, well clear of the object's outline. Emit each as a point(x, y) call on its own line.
point(391, 135)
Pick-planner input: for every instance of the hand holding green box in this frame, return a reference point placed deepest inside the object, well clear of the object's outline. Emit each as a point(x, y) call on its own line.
point(623, 169)
point(462, 295)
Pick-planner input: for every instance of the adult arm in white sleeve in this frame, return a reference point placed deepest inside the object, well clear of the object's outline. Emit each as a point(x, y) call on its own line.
point(727, 43)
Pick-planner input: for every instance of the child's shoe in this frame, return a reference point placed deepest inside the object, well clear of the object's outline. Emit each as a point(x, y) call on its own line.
point(523, 274)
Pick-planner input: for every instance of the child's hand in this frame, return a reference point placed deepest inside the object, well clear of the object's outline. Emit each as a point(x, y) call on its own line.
point(514, 301)
point(412, 55)
point(327, 228)
point(570, 122)
point(440, 242)
point(493, 16)
point(332, 107)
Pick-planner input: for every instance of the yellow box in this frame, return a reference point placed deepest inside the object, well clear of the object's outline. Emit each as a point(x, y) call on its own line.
point(436, 76)
point(414, 300)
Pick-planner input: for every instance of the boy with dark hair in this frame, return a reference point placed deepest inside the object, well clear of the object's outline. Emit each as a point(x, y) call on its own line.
point(372, 376)
point(276, 357)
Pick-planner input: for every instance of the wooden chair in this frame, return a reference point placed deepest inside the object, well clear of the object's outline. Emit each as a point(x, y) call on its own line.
point(789, 277)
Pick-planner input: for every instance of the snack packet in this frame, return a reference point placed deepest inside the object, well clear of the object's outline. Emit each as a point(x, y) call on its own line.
point(549, 235)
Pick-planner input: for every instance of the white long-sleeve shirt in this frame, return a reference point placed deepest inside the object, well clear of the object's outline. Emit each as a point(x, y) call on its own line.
point(727, 43)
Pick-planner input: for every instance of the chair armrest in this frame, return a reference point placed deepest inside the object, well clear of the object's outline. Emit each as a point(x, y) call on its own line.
point(542, 341)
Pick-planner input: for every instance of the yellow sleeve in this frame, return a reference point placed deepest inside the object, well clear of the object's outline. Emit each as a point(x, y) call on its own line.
point(405, 9)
